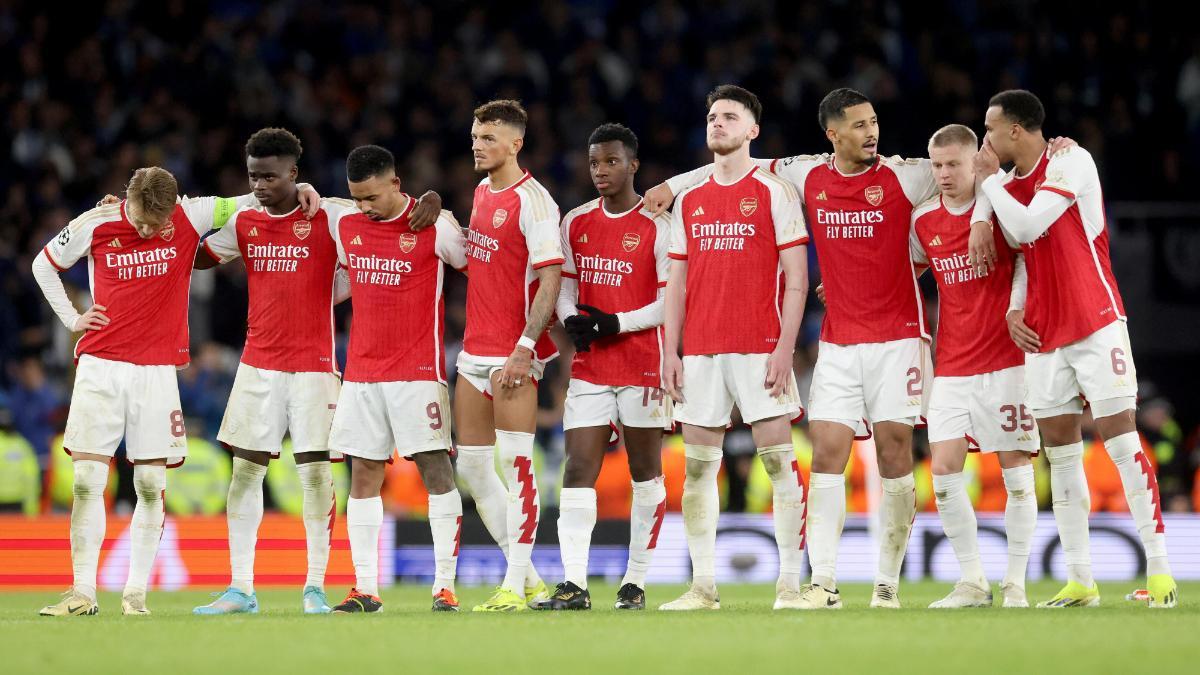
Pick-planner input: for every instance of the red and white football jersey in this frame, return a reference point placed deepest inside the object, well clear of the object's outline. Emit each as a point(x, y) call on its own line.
point(1072, 290)
point(513, 232)
point(396, 275)
point(143, 282)
point(972, 336)
point(730, 236)
point(860, 226)
point(620, 261)
point(290, 264)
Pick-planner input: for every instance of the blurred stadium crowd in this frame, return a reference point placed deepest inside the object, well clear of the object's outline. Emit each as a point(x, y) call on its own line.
point(92, 92)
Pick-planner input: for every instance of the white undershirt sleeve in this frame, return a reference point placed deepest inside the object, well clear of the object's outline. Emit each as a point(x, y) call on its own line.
point(56, 294)
point(568, 295)
point(1016, 299)
point(647, 316)
point(1025, 223)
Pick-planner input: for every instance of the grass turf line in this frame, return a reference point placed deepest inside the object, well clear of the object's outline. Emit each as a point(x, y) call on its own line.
point(1118, 636)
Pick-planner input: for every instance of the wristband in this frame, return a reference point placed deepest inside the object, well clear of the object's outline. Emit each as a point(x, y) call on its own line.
point(527, 343)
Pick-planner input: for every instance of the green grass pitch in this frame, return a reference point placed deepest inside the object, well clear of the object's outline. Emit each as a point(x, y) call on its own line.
point(745, 636)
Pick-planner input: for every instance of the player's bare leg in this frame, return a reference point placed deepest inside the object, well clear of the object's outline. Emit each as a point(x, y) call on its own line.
point(243, 513)
point(832, 444)
point(1020, 520)
point(364, 518)
point(1124, 447)
point(88, 521)
point(445, 523)
point(958, 522)
point(701, 509)
point(145, 532)
point(515, 412)
point(644, 447)
point(773, 438)
point(1063, 440)
point(893, 445)
point(319, 509)
point(577, 515)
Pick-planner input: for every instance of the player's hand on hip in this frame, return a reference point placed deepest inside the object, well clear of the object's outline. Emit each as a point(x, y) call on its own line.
point(425, 212)
point(93, 319)
point(981, 247)
point(673, 377)
point(658, 199)
point(310, 201)
point(779, 372)
point(821, 292)
point(1021, 334)
point(517, 368)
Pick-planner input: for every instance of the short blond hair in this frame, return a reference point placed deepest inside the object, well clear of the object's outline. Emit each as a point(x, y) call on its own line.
point(154, 190)
point(954, 134)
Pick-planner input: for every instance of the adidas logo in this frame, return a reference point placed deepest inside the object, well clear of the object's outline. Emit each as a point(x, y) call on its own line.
point(936, 241)
point(821, 196)
point(253, 232)
point(1025, 437)
point(698, 212)
point(581, 240)
point(356, 241)
point(115, 243)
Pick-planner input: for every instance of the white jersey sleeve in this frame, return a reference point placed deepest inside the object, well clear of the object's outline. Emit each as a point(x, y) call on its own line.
point(787, 212)
point(662, 246)
point(686, 180)
point(678, 246)
point(1072, 173)
point(539, 224)
point(915, 250)
point(568, 291)
point(211, 213)
point(75, 240)
point(916, 178)
point(449, 242)
point(223, 243)
point(795, 169)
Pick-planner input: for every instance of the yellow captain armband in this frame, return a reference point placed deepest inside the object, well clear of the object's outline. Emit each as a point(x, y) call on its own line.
point(225, 207)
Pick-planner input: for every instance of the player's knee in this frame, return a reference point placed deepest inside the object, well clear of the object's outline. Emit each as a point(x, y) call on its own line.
point(149, 481)
point(580, 473)
point(775, 463)
point(642, 469)
point(699, 470)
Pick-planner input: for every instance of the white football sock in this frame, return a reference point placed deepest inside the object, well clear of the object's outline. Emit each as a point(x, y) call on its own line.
point(645, 520)
point(896, 514)
point(788, 506)
point(364, 518)
point(523, 508)
point(244, 512)
point(146, 527)
point(826, 516)
point(1020, 520)
point(1141, 492)
point(477, 466)
point(1072, 504)
point(701, 510)
point(87, 523)
point(445, 522)
point(319, 510)
point(958, 522)
point(576, 519)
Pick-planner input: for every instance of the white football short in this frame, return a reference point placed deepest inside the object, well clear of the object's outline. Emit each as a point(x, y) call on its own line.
point(478, 370)
point(987, 409)
point(374, 419)
point(598, 405)
point(714, 383)
point(1100, 367)
point(873, 381)
point(266, 404)
point(114, 400)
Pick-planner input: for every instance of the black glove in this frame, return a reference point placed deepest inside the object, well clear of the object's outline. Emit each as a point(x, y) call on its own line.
point(606, 324)
point(582, 331)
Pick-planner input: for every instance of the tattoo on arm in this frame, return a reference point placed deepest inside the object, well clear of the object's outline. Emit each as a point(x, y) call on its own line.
point(540, 311)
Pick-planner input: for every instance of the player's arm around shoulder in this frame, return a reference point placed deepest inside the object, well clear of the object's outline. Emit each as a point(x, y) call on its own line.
point(220, 246)
point(795, 169)
point(450, 244)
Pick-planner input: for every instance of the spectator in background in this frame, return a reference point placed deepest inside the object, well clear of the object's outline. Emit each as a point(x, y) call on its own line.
point(37, 406)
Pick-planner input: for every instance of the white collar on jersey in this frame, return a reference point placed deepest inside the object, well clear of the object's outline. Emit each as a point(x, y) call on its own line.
point(603, 210)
